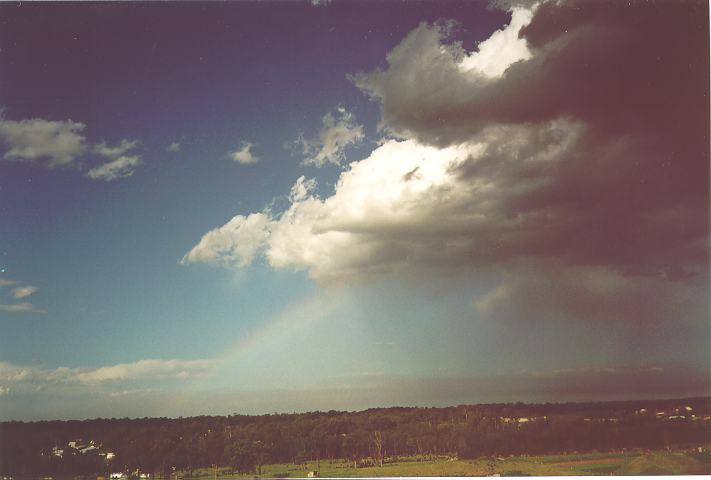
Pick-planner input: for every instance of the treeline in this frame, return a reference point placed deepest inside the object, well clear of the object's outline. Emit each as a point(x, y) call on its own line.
point(374, 436)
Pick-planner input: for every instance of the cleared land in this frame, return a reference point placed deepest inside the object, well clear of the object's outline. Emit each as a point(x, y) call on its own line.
point(680, 462)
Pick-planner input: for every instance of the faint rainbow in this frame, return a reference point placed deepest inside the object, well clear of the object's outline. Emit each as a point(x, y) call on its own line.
point(307, 311)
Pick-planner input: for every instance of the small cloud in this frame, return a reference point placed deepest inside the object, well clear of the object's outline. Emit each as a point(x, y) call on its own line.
point(6, 282)
point(22, 307)
point(4, 391)
point(338, 131)
point(24, 291)
point(319, 3)
point(122, 167)
point(58, 142)
point(244, 155)
point(122, 148)
point(174, 147)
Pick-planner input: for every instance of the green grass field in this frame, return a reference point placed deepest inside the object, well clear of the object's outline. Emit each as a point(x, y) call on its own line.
point(627, 463)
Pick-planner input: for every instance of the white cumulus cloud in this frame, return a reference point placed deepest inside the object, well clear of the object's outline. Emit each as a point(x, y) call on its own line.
point(59, 143)
point(234, 244)
point(406, 205)
point(244, 154)
point(503, 48)
point(63, 144)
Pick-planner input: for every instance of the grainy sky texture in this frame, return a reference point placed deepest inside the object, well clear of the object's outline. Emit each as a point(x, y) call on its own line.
point(208, 208)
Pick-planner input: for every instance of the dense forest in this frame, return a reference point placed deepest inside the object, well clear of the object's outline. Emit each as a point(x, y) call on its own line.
point(374, 436)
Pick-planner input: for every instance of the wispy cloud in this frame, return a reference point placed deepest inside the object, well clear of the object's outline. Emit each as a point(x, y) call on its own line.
point(123, 373)
point(116, 151)
point(23, 291)
point(173, 147)
point(122, 167)
point(98, 389)
point(22, 307)
point(19, 292)
point(338, 131)
point(142, 369)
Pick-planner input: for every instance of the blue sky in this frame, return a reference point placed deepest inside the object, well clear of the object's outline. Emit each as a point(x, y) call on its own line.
point(205, 204)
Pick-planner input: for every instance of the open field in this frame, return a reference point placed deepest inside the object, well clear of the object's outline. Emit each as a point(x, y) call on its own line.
point(625, 463)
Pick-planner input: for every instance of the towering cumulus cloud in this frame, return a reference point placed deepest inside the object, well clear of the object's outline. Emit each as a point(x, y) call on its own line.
point(570, 150)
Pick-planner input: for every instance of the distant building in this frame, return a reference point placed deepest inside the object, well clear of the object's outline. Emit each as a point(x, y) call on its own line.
point(519, 419)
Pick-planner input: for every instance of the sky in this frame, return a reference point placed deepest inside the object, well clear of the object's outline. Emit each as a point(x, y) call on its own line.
point(256, 207)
